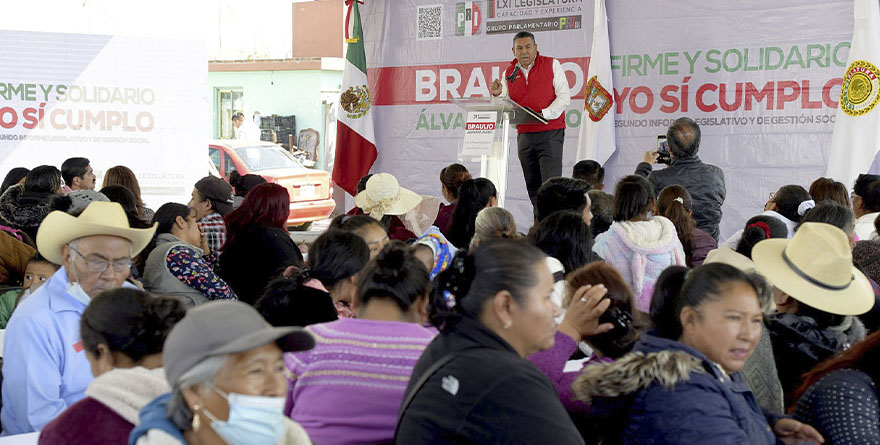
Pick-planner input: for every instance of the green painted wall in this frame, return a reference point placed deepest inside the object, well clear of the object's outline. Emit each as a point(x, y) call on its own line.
point(283, 93)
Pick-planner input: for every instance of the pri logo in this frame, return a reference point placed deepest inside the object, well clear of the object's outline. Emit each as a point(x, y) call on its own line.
point(468, 18)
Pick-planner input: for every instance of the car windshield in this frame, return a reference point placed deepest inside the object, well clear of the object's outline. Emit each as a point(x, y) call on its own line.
point(266, 158)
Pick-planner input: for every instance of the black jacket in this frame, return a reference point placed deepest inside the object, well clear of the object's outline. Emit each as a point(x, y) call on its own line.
point(24, 210)
point(254, 257)
point(799, 345)
point(487, 394)
point(704, 182)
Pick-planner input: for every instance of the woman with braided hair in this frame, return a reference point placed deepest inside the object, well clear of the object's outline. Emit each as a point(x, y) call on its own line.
point(348, 388)
point(123, 332)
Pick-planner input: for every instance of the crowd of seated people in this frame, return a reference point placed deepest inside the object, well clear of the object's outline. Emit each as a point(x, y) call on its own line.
point(611, 318)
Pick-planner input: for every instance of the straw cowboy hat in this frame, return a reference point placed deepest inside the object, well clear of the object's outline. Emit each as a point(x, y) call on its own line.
point(815, 267)
point(99, 218)
point(384, 196)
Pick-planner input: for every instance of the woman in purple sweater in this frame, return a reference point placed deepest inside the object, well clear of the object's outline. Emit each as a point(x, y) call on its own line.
point(614, 336)
point(348, 389)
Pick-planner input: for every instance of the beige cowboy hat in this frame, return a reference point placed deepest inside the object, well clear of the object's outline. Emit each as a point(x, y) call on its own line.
point(384, 196)
point(815, 267)
point(99, 218)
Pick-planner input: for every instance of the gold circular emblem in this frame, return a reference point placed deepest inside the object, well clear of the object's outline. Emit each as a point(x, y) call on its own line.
point(860, 90)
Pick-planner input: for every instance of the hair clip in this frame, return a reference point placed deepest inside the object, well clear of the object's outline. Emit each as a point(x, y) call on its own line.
point(805, 206)
point(449, 298)
point(763, 226)
point(679, 200)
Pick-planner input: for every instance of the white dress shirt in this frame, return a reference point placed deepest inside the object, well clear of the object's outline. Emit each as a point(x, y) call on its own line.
point(865, 227)
point(560, 86)
point(247, 131)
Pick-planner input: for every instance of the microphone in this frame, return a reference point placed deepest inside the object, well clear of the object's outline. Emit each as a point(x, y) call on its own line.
point(512, 76)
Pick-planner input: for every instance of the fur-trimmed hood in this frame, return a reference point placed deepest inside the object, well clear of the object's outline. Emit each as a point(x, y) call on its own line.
point(668, 392)
point(654, 235)
point(635, 372)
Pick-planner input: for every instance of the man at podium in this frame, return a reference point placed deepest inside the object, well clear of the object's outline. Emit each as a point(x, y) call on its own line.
point(538, 83)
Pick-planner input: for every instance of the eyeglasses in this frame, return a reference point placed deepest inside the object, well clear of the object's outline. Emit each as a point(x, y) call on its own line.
point(99, 265)
point(772, 194)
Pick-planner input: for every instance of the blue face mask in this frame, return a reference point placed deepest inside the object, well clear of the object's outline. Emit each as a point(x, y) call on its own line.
point(253, 420)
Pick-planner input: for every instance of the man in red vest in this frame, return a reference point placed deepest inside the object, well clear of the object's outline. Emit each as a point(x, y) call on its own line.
point(536, 82)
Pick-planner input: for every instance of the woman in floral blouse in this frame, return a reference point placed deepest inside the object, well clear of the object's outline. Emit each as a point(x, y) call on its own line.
point(175, 266)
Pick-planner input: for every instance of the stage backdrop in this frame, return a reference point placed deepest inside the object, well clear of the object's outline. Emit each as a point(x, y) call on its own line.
point(762, 79)
point(133, 101)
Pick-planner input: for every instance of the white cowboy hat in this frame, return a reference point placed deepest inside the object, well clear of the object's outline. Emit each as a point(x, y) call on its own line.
point(384, 196)
point(815, 267)
point(99, 218)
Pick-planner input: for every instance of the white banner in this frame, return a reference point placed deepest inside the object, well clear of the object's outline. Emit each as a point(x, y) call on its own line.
point(479, 133)
point(761, 78)
point(138, 102)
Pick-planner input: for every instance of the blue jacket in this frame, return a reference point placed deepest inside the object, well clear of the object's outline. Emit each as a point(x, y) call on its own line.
point(45, 369)
point(667, 392)
point(154, 416)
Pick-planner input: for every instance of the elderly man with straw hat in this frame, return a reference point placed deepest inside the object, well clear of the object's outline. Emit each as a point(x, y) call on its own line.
point(45, 369)
point(818, 293)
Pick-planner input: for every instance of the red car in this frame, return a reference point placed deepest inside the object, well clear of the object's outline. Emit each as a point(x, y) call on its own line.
point(310, 190)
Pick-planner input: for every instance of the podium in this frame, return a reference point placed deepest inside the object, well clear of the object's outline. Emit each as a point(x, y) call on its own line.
point(493, 165)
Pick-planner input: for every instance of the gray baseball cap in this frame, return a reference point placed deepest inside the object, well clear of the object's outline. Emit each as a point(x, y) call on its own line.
point(224, 327)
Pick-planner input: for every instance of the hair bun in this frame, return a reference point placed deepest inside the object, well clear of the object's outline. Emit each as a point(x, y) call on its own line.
point(391, 260)
point(462, 177)
point(161, 314)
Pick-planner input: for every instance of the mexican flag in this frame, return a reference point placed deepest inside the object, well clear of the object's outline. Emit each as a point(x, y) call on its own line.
point(856, 137)
point(355, 138)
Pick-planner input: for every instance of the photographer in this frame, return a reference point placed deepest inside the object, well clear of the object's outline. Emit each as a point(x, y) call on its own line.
point(704, 182)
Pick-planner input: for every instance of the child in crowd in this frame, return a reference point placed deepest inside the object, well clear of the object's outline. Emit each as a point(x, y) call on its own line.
point(37, 271)
point(639, 245)
point(674, 203)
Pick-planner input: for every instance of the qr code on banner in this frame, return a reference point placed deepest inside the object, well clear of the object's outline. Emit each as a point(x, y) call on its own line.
point(430, 22)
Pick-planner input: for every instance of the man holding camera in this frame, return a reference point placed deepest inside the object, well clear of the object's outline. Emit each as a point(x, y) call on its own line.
point(704, 182)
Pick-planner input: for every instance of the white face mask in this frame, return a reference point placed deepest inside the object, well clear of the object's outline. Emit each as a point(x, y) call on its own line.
point(76, 291)
point(253, 420)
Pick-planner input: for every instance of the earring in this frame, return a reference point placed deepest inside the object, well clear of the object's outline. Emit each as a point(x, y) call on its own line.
point(508, 324)
point(196, 422)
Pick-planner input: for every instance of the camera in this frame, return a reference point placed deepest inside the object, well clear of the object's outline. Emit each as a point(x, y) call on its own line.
point(663, 150)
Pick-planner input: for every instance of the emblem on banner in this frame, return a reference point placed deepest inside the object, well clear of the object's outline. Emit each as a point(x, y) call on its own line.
point(861, 88)
point(598, 101)
point(356, 101)
point(468, 18)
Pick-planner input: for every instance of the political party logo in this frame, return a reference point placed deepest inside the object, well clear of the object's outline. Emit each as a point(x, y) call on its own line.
point(861, 88)
point(598, 100)
point(468, 18)
point(356, 101)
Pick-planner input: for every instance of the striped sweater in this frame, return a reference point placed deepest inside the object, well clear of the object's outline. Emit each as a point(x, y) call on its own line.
point(349, 388)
